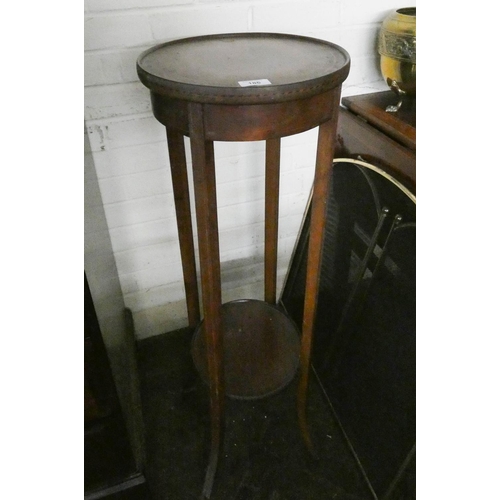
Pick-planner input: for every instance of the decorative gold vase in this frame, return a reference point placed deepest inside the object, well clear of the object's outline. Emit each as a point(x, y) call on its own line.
point(397, 46)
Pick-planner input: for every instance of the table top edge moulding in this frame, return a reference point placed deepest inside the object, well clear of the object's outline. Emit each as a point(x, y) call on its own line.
point(201, 82)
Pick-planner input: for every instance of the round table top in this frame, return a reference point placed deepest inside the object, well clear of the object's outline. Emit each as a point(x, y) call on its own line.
point(243, 68)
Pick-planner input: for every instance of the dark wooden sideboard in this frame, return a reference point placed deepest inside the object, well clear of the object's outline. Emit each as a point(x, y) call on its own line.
point(111, 469)
point(388, 140)
point(364, 344)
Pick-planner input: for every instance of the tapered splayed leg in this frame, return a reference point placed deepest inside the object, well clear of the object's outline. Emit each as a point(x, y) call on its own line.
point(326, 147)
point(208, 242)
point(180, 186)
point(272, 212)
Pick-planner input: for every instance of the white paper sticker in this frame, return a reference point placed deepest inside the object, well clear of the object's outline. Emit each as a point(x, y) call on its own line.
point(255, 83)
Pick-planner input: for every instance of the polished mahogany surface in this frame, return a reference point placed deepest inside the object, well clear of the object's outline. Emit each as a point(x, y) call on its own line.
point(366, 131)
point(243, 67)
point(401, 126)
point(261, 349)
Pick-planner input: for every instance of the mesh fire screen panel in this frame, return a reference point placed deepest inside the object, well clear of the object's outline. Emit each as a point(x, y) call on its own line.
point(364, 338)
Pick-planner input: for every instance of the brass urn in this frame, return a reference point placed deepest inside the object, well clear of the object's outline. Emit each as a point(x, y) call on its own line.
point(397, 46)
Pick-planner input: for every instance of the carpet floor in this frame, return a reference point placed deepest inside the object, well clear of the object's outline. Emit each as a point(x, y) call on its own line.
point(263, 458)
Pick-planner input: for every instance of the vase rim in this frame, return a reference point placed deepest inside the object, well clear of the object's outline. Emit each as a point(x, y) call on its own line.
point(407, 11)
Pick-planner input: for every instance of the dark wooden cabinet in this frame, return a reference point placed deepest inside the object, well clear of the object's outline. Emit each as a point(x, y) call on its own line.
point(366, 131)
point(114, 444)
point(110, 468)
point(365, 328)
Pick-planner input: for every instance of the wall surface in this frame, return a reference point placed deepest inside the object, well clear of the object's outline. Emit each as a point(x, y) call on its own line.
point(129, 151)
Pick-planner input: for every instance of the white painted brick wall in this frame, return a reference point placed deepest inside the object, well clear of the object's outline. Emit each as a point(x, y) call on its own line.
point(130, 154)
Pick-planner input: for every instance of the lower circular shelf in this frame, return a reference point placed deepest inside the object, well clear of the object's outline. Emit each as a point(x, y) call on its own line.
point(261, 349)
